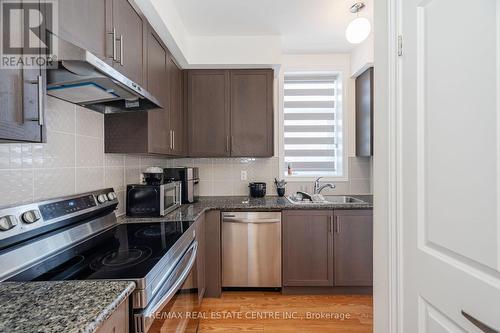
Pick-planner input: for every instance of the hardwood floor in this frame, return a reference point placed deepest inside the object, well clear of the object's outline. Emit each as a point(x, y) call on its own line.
point(274, 313)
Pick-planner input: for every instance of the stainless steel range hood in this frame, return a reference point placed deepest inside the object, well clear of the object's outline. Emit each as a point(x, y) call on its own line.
point(84, 79)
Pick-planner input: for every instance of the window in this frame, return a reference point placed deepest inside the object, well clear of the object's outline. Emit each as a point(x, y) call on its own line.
point(312, 125)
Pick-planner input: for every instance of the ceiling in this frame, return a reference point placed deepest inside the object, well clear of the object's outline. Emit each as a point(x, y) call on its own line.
point(305, 26)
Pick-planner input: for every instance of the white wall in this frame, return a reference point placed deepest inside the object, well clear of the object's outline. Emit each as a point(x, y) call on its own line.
point(362, 57)
point(164, 18)
point(234, 51)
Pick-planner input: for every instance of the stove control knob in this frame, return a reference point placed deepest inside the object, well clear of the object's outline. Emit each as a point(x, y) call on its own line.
point(7, 222)
point(111, 196)
point(102, 198)
point(31, 216)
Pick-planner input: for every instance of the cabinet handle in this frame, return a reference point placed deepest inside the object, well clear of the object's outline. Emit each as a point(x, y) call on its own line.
point(227, 143)
point(171, 146)
point(113, 34)
point(173, 139)
point(39, 83)
point(337, 225)
point(330, 229)
point(482, 326)
point(121, 50)
point(40, 101)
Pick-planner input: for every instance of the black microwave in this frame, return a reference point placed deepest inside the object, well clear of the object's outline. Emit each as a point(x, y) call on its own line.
point(153, 200)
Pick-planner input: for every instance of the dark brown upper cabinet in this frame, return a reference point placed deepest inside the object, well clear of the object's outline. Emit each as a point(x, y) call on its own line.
point(158, 84)
point(22, 102)
point(308, 248)
point(129, 31)
point(84, 23)
point(364, 114)
point(145, 132)
point(230, 113)
point(353, 248)
point(252, 113)
point(177, 119)
point(113, 30)
point(208, 113)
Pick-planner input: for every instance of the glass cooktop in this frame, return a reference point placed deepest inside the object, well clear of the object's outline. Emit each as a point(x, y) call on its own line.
point(126, 251)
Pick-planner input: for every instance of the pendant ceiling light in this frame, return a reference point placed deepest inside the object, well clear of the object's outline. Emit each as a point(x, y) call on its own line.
point(359, 29)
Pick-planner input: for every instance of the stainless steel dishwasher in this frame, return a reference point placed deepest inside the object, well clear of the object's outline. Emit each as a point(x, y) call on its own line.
point(251, 249)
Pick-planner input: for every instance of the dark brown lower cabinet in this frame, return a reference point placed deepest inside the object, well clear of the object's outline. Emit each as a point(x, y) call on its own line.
point(213, 265)
point(353, 247)
point(200, 257)
point(308, 248)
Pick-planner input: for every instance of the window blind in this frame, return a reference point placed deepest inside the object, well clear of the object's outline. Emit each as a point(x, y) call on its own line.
point(312, 125)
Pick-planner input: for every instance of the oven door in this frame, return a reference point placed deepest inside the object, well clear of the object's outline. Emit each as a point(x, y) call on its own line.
point(175, 307)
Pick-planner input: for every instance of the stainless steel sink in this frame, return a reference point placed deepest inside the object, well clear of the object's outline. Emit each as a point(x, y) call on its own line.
point(334, 199)
point(343, 199)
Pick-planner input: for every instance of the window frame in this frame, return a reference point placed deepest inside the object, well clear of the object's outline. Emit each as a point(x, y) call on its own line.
point(341, 106)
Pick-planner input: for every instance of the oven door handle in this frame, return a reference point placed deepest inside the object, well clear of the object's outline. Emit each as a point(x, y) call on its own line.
point(144, 319)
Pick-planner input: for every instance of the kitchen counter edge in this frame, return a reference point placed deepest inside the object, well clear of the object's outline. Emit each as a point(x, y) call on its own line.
point(191, 212)
point(60, 306)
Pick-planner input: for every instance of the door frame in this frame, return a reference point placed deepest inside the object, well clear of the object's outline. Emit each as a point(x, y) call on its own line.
point(387, 248)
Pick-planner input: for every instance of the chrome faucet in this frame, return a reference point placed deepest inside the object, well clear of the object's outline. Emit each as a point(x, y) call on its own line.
point(318, 188)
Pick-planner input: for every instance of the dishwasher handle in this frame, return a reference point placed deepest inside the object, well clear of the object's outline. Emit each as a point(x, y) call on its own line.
point(250, 221)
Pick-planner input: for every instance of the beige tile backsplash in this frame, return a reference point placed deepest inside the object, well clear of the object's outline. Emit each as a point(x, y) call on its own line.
point(73, 161)
point(223, 176)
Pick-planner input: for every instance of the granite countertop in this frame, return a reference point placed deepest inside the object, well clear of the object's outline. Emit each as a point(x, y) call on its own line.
point(55, 307)
point(190, 212)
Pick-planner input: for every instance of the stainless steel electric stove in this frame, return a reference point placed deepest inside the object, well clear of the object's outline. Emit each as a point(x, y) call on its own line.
point(78, 238)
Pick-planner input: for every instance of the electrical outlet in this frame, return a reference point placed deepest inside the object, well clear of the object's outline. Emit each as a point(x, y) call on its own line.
point(243, 175)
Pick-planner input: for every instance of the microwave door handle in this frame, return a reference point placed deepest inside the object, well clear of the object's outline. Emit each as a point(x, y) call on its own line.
point(178, 193)
point(147, 316)
point(162, 200)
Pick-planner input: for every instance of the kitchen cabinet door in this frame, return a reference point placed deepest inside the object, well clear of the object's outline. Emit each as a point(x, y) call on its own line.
point(131, 32)
point(208, 113)
point(22, 101)
point(20, 108)
point(177, 119)
point(252, 113)
point(118, 321)
point(144, 132)
point(308, 248)
point(200, 258)
point(83, 22)
point(353, 240)
point(364, 113)
point(213, 254)
point(159, 139)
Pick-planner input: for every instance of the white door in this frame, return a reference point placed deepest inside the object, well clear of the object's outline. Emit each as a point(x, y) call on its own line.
point(449, 174)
